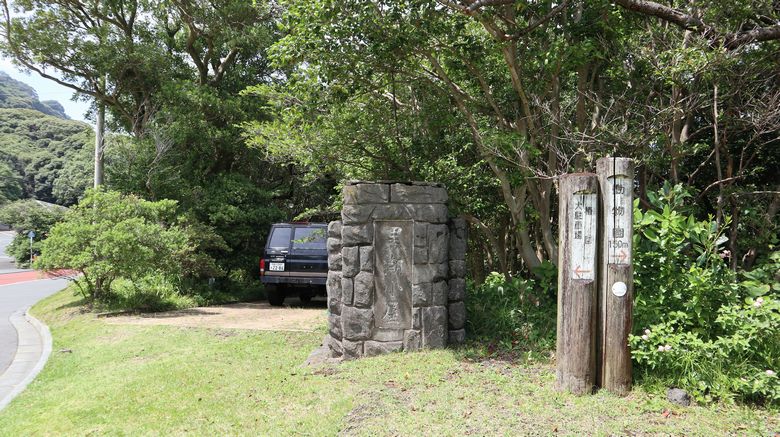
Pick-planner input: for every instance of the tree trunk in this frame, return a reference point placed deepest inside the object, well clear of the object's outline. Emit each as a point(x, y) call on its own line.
point(718, 167)
point(581, 115)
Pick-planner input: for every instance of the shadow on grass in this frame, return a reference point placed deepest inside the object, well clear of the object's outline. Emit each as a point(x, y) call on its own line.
point(83, 304)
point(166, 314)
point(504, 352)
point(140, 302)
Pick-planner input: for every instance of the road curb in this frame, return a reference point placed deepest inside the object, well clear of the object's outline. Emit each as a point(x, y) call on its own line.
point(22, 371)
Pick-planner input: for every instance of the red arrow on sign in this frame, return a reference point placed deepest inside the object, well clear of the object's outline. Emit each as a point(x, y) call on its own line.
point(578, 271)
point(622, 256)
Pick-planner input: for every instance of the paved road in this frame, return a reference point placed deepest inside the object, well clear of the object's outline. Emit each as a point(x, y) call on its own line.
point(7, 264)
point(15, 297)
point(18, 289)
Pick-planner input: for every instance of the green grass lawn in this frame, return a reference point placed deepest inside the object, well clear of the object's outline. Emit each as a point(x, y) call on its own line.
point(136, 380)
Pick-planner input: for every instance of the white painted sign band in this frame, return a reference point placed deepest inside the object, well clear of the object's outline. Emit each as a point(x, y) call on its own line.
point(619, 204)
point(583, 223)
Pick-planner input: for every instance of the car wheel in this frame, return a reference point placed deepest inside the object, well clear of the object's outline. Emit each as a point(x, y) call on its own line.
point(275, 296)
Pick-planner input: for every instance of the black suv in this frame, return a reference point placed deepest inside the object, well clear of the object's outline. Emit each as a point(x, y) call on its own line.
point(295, 261)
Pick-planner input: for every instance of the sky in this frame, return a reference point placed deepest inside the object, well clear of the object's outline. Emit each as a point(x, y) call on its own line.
point(47, 90)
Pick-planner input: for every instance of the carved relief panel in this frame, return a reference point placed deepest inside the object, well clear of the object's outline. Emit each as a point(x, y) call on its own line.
point(393, 249)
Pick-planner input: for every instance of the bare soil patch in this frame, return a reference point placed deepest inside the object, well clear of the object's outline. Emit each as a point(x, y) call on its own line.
point(258, 316)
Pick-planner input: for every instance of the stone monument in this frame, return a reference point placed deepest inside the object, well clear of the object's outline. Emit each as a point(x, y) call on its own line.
point(396, 267)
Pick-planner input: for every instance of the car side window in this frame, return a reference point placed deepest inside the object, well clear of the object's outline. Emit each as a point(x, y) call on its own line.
point(309, 238)
point(280, 238)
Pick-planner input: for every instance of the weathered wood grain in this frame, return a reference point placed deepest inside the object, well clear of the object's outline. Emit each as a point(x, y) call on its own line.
point(615, 268)
point(577, 293)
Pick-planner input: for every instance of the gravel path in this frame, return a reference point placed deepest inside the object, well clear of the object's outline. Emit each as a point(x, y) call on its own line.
point(258, 316)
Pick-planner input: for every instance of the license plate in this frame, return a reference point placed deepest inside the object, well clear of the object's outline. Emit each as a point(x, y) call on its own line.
point(276, 267)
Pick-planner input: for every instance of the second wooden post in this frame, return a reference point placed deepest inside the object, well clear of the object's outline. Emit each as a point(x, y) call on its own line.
point(577, 291)
point(616, 180)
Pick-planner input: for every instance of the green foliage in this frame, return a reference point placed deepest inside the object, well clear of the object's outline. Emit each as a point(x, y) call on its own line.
point(29, 215)
point(201, 263)
point(697, 326)
point(512, 313)
point(764, 279)
point(43, 155)
point(75, 176)
point(137, 254)
point(173, 73)
point(10, 186)
point(50, 157)
point(678, 268)
point(478, 97)
point(108, 236)
point(241, 212)
point(153, 292)
point(235, 206)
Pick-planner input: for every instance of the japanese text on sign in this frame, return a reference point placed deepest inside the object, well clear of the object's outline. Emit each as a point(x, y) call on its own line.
point(583, 228)
point(619, 216)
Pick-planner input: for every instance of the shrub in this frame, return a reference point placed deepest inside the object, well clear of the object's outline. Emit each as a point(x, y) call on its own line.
point(697, 326)
point(29, 215)
point(515, 312)
point(108, 236)
point(150, 293)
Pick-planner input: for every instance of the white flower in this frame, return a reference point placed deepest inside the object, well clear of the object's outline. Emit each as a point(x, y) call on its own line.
point(660, 348)
point(667, 348)
point(770, 372)
point(645, 337)
point(758, 302)
point(647, 332)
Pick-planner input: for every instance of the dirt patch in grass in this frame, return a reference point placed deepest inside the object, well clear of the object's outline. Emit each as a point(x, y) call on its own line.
point(65, 312)
point(371, 408)
point(256, 316)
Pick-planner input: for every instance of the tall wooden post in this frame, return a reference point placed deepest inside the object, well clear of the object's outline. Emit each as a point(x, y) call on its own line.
point(577, 290)
point(616, 180)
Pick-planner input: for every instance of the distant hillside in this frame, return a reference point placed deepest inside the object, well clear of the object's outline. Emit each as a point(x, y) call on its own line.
point(43, 154)
point(15, 94)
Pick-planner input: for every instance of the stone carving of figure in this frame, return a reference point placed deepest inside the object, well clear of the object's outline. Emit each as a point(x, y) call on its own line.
point(394, 272)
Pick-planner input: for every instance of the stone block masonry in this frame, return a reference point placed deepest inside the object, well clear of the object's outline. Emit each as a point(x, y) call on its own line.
point(396, 270)
point(456, 308)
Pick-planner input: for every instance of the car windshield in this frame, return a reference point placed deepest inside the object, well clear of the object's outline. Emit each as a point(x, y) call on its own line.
point(309, 238)
point(280, 239)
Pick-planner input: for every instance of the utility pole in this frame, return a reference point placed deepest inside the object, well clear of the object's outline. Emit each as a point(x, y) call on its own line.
point(100, 128)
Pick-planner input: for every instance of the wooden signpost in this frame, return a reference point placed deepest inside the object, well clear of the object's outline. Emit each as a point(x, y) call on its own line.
point(577, 291)
point(595, 278)
point(616, 176)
